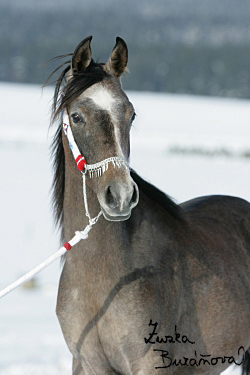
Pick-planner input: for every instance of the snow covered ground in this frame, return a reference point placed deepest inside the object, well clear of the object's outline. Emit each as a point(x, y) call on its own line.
point(187, 146)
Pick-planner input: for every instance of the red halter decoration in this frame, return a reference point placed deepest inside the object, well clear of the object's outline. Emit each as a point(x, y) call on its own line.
point(81, 162)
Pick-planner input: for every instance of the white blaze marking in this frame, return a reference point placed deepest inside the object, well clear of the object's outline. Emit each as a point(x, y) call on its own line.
point(104, 99)
point(118, 139)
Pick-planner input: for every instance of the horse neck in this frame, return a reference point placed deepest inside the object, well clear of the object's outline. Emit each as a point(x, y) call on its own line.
point(104, 245)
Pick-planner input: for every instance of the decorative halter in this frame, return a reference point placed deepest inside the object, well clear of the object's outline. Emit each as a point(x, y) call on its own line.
point(96, 169)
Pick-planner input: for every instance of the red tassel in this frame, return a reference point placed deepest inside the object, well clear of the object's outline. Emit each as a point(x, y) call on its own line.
point(67, 246)
point(80, 161)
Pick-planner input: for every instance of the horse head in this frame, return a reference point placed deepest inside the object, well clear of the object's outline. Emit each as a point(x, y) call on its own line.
point(100, 117)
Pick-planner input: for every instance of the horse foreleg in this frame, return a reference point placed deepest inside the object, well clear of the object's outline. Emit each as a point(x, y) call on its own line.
point(77, 368)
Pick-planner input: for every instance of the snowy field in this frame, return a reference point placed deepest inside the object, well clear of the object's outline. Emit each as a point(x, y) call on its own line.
point(187, 146)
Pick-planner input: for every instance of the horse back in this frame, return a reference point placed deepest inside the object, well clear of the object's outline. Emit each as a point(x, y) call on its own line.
point(220, 213)
point(220, 233)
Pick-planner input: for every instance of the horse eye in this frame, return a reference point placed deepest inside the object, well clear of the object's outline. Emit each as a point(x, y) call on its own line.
point(133, 117)
point(76, 118)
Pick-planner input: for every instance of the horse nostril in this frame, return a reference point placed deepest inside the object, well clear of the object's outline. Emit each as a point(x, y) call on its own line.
point(134, 198)
point(109, 198)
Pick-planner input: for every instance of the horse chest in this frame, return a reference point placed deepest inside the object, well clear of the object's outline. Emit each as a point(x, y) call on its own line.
point(98, 318)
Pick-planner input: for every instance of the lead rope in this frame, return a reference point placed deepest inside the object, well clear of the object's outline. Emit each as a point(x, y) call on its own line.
point(79, 235)
point(95, 219)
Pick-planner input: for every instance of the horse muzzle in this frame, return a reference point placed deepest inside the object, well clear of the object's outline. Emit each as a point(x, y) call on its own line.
point(118, 200)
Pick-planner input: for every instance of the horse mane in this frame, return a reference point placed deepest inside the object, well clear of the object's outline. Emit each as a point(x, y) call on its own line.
point(58, 183)
point(158, 196)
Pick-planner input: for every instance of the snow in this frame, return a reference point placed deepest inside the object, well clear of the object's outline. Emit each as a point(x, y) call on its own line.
point(167, 132)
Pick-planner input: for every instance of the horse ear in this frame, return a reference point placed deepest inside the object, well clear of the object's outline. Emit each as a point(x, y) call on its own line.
point(82, 56)
point(118, 59)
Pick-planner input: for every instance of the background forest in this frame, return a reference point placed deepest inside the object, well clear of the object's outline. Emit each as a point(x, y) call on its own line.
point(180, 46)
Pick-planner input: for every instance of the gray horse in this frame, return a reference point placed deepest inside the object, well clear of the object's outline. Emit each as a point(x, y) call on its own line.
point(164, 289)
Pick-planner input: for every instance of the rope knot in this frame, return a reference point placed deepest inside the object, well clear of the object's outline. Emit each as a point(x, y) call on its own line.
point(83, 234)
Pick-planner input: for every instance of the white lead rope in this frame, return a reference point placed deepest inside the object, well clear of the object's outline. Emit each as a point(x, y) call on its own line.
point(32, 273)
point(79, 235)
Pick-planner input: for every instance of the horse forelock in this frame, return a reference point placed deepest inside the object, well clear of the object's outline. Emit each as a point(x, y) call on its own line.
point(67, 90)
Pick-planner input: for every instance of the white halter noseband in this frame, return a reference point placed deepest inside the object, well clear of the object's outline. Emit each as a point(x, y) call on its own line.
point(96, 169)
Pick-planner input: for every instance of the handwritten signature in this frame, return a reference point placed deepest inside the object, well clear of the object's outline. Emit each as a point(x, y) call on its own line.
point(177, 338)
point(197, 360)
point(203, 359)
